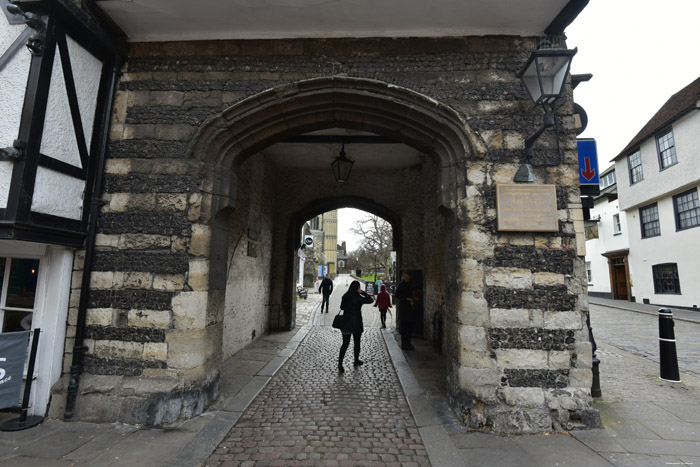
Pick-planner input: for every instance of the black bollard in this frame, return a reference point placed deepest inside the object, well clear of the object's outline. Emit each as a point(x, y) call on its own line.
point(595, 384)
point(668, 359)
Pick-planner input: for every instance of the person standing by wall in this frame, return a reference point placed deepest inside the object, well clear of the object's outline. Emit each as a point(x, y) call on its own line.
point(351, 304)
point(405, 295)
point(383, 303)
point(326, 288)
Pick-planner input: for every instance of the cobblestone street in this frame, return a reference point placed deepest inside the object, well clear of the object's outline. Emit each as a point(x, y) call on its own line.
point(309, 414)
point(639, 334)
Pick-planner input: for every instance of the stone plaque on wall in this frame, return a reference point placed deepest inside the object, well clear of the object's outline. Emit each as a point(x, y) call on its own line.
point(527, 208)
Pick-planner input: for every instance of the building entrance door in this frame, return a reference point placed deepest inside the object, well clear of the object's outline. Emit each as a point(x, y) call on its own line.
point(620, 281)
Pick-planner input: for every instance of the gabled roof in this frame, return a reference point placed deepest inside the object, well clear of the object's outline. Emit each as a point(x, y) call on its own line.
point(678, 105)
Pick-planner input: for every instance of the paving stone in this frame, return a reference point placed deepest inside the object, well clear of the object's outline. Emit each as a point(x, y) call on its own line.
point(308, 407)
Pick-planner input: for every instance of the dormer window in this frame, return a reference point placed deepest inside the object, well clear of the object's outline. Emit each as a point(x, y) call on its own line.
point(667, 149)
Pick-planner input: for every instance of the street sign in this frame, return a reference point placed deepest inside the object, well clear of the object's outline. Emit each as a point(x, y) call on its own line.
point(588, 162)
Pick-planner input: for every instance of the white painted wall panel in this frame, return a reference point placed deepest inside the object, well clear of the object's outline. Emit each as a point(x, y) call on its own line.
point(607, 241)
point(5, 176)
point(680, 247)
point(58, 140)
point(13, 82)
point(58, 194)
point(657, 183)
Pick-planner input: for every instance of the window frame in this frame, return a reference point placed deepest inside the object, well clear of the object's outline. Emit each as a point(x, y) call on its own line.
point(676, 213)
point(641, 220)
point(631, 169)
point(617, 224)
point(589, 273)
point(658, 279)
point(658, 137)
point(4, 287)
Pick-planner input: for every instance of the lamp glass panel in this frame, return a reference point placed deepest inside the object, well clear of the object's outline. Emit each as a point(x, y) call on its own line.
point(553, 72)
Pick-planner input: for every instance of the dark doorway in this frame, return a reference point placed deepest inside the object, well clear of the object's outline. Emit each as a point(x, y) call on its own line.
point(417, 278)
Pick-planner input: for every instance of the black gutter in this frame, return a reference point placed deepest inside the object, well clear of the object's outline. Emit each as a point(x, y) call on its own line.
point(79, 348)
point(565, 17)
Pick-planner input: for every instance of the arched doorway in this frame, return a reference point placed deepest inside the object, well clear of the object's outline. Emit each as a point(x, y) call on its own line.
point(239, 150)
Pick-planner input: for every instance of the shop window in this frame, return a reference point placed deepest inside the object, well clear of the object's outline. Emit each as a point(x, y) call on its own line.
point(666, 278)
point(18, 280)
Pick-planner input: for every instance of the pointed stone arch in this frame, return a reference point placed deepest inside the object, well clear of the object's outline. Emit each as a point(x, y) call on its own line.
point(226, 140)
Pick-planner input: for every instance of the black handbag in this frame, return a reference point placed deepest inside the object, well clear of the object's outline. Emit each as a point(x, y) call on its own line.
point(338, 321)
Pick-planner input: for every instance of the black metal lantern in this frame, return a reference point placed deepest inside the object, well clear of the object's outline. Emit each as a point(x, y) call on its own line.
point(342, 166)
point(544, 73)
point(543, 76)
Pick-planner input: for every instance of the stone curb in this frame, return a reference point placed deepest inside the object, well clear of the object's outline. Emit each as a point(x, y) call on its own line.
point(650, 313)
point(438, 444)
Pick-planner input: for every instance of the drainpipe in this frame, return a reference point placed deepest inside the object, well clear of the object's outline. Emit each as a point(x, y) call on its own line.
point(79, 348)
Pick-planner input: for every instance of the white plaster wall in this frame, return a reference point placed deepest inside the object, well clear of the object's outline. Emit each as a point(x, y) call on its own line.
point(607, 241)
point(680, 247)
point(49, 184)
point(13, 82)
point(58, 140)
point(50, 315)
point(248, 285)
point(656, 183)
point(5, 177)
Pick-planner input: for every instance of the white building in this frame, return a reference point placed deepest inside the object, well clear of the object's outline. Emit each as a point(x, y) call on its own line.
point(658, 174)
point(606, 243)
point(55, 81)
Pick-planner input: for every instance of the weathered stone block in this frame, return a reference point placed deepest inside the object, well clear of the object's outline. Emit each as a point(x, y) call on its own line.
point(100, 279)
point(473, 309)
point(522, 421)
point(198, 276)
point(562, 320)
point(149, 319)
point(521, 358)
point(169, 282)
point(513, 278)
point(472, 338)
point(201, 239)
point(509, 318)
point(155, 351)
point(549, 278)
point(560, 359)
point(190, 310)
point(171, 202)
point(118, 349)
point(143, 242)
point(99, 316)
point(476, 359)
point(189, 349)
point(133, 280)
point(524, 397)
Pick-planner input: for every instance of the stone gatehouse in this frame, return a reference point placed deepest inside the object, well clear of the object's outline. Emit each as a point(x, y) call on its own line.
point(196, 160)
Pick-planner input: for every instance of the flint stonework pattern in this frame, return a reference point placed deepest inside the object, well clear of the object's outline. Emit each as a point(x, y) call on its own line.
point(119, 366)
point(531, 338)
point(141, 261)
point(130, 299)
point(555, 298)
point(156, 223)
point(527, 378)
point(130, 334)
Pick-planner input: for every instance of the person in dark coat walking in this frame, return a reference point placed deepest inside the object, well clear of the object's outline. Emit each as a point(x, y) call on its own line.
point(383, 303)
point(351, 304)
point(406, 295)
point(326, 288)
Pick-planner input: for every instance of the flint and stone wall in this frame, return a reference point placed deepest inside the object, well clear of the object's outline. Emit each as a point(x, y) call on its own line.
point(510, 305)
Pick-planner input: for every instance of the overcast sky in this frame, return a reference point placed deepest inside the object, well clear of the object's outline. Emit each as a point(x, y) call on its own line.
point(640, 52)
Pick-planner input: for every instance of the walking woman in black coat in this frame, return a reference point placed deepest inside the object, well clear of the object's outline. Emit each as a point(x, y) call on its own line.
point(351, 304)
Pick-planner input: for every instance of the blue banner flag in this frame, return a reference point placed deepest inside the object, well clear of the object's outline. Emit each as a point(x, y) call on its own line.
point(13, 353)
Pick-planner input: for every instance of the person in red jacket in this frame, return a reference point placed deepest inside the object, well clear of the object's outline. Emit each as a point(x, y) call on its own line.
point(383, 303)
